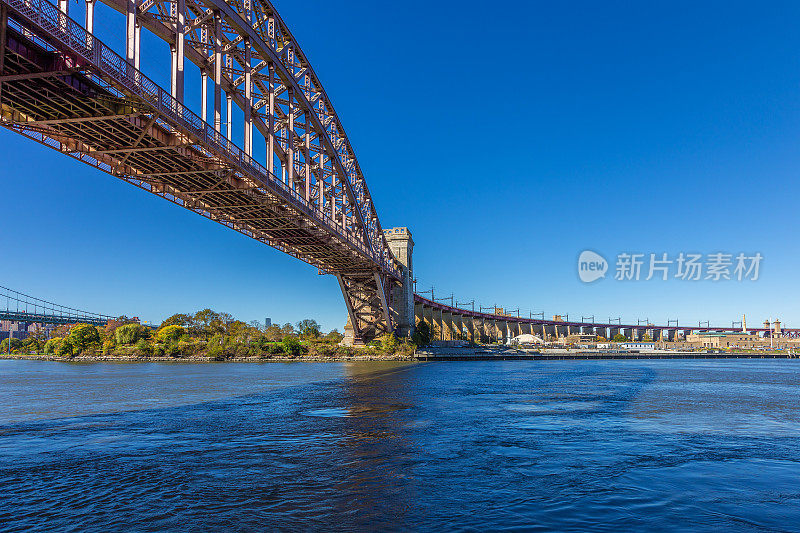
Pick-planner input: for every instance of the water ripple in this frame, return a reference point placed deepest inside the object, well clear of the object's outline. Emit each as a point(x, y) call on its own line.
point(570, 445)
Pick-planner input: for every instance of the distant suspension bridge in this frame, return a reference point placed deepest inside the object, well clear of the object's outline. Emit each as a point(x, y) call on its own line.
point(20, 307)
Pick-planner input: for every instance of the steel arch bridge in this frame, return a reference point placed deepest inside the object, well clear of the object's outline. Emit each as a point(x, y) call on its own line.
point(295, 184)
point(304, 193)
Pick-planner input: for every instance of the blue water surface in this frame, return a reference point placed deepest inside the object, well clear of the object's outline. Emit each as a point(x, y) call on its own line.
point(688, 445)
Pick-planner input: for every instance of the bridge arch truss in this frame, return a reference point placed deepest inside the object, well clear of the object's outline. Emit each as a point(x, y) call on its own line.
point(302, 192)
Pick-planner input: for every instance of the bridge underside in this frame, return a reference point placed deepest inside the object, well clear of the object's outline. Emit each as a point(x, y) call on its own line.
point(94, 113)
point(45, 98)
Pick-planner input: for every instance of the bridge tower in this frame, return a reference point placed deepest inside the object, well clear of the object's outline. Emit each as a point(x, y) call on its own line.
point(402, 308)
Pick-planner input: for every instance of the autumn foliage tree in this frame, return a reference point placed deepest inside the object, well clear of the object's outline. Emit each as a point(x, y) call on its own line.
point(83, 337)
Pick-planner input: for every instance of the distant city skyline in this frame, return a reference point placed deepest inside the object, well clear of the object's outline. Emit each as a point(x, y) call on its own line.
point(507, 147)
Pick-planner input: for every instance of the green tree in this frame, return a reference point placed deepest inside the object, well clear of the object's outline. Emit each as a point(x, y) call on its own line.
point(130, 333)
point(170, 333)
point(273, 333)
point(113, 324)
point(84, 336)
point(215, 348)
point(32, 345)
point(65, 348)
point(647, 338)
point(178, 319)
point(235, 328)
point(16, 345)
point(389, 343)
point(334, 337)
point(308, 328)
point(207, 323)
point(51, 346)
point(143, 347)
point(619, 337)
point(291, 345)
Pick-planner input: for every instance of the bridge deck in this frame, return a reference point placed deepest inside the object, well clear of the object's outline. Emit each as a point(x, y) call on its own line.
point(420, 300)
point(52, 95)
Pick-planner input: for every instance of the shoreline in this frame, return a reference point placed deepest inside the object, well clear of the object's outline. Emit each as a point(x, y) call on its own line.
point(477, 355)
point(199, 359)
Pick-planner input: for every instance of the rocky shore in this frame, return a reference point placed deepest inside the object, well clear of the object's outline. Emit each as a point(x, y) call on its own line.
point(205, 359)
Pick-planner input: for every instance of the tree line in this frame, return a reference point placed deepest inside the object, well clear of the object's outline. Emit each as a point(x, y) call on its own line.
point(205, 333)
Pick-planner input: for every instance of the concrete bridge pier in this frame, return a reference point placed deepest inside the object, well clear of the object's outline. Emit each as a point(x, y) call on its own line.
point(446, 318)
point(469, 327)
point(427, 317)
point(436, 315)
point(429, 320)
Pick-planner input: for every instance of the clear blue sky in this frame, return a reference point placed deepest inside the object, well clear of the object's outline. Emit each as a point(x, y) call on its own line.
point(507, 136)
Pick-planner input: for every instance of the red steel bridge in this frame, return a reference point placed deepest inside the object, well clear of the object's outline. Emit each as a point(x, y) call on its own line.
point(294, 184)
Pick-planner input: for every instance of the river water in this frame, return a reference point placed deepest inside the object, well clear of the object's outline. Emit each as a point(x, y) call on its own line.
point(565, 445)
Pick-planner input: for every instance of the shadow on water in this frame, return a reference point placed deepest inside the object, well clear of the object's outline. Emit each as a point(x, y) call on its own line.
point(379, 451)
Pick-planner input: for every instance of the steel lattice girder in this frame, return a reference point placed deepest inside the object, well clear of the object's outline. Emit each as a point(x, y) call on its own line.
point(67, 90)
point(34, 128)
point(275, 61)
point(368, 301)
